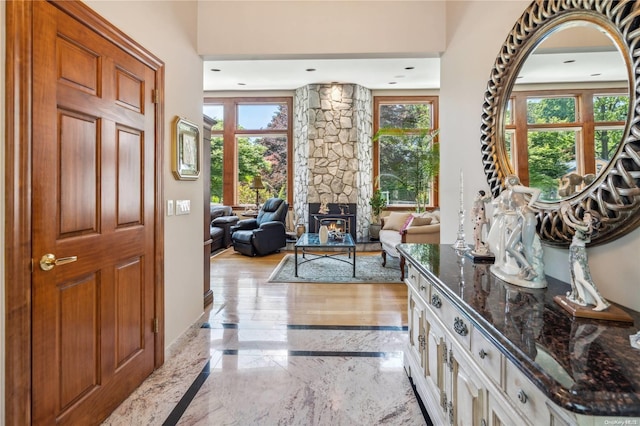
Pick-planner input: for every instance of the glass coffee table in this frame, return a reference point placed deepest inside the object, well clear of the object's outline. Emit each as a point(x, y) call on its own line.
point(308, 243)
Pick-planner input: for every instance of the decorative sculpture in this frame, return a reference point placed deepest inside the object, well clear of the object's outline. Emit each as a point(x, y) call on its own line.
point(571, 183)
point(513, 239)
point(584, 299)
point(480, 250)
point(324, 207)
point(583, 290)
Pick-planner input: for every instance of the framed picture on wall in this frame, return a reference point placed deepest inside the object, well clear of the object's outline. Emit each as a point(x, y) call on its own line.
point(185, 151)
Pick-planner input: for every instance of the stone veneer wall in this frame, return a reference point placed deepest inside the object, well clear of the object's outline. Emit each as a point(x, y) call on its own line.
point(364, 117)
point(333, 148)
point(301, 155)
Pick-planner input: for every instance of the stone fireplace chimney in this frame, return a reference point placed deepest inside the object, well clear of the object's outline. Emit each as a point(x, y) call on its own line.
point(333, 149)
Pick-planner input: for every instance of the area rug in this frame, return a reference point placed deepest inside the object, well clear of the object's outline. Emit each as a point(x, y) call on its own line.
point(369, 269)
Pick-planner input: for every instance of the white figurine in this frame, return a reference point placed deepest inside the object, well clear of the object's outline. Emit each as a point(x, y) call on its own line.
point(479, 215)
point(324, 207)
point(583, 290)
point(513, 238)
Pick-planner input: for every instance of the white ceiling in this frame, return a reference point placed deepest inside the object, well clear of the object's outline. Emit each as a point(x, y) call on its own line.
point(580, 52)
point(573, 67)
point(396, 73)
point(289, 74)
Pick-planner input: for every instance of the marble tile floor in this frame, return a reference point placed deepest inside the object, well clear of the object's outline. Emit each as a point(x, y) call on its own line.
point(267, 373)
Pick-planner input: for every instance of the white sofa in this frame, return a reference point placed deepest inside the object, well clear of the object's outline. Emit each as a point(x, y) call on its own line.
point(407, 227)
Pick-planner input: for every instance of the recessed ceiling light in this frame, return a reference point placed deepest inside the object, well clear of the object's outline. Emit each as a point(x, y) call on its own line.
point(409, 68)
point(393, 82)
point(596, 74)
point(398, 76)
point(215, 69)
point(570, 61)
point(242, 84)
point(310, 69)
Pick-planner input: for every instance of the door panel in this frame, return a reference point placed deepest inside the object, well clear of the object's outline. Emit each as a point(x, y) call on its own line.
point(78, 178)
point(77, 316)
point(130, 145)
point(130, 311)
point(78, 66)
point(129, 91)
point(468, 397)
point(93, 198)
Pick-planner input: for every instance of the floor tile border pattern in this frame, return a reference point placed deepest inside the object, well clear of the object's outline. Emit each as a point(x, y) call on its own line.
point(323, 327)
point(187, 398)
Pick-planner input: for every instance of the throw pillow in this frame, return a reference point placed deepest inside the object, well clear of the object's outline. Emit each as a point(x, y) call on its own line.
point(421, 221)
point(434, 216)
point(395, 220)
point(407, 223)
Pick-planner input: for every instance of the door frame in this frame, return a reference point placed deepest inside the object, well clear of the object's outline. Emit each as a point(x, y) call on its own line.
point(18, 214)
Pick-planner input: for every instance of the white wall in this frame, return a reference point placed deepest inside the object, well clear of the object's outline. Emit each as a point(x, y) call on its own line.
point(475, 32)
point(471, 51)
point(167, 29)
point(259, 29)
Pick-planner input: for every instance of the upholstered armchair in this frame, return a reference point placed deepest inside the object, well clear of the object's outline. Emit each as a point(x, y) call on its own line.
point(408, 228)
point(222, 219)
point(264, 234)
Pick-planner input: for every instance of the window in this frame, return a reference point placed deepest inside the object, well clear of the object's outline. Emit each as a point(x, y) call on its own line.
point(252, 137)
point(554, 133)
point(404, 149)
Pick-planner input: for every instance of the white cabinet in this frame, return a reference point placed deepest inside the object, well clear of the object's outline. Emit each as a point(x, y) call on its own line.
point(487, 356)
point(487, 353)
point(426, 353)
point(462, 378)
point(436, 362)
point(530, 400)
point(417, 332)
point(501, 415)
point(439, 363)
point(469, 396)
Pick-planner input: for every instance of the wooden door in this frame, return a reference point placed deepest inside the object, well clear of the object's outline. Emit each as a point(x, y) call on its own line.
point(93, 199)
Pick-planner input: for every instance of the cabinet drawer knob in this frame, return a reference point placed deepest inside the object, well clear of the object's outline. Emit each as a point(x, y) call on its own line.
point(522, 397)
point(482, 354)
point(423, 288)
point(435, 301)
point(460, 327)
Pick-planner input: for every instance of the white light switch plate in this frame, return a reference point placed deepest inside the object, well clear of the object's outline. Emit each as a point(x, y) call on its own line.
point(169, 207)
point(183, 207)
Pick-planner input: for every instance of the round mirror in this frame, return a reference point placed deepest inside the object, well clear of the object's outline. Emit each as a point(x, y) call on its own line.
point(560, 112)
point(567, 111)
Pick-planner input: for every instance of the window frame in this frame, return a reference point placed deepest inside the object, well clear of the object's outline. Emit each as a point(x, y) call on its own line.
point(584, 125)
point(229, 147)
point(379, 101)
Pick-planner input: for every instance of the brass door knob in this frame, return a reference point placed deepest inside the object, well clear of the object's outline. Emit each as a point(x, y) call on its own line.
point(49, 261)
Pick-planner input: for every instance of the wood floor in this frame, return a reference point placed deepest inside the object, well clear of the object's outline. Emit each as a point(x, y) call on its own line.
point(242, 295)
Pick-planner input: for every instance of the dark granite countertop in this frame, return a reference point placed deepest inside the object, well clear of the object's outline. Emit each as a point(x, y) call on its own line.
point(586, 366)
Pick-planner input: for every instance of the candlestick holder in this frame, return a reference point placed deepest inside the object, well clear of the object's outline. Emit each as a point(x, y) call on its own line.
point(460, 244)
